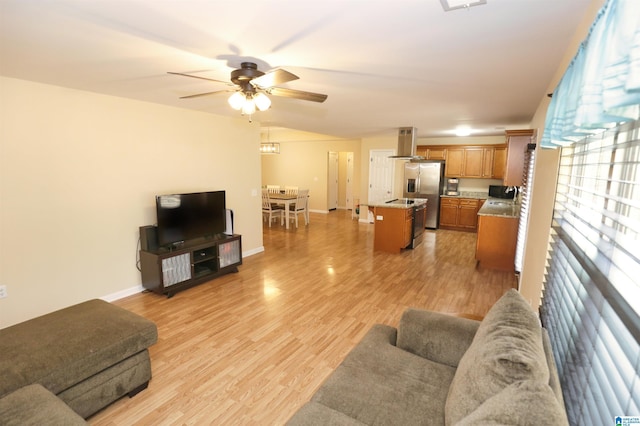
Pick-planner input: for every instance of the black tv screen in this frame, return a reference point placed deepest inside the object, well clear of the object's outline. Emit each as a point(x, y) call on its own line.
point(183, 217)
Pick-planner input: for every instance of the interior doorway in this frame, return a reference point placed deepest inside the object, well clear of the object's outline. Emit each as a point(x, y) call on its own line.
point(332, 181)
point(349, 183)
point(381, 171)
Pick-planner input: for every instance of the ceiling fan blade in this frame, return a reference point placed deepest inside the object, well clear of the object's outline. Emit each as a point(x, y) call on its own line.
point(197, 76)
point(204, 94)
point(273, 78)
point(297, 94)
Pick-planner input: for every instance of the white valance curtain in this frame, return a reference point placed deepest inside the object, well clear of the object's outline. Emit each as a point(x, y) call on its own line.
point(601, 87)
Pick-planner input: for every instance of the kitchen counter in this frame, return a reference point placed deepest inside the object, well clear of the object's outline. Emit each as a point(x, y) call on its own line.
point(394, 223)
point(500, 207)
point(399, 203)
point(497, 234)
point(473, 195)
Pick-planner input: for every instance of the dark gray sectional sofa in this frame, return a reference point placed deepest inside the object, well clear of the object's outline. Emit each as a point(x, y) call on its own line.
point(437, 369)
point(71, 363)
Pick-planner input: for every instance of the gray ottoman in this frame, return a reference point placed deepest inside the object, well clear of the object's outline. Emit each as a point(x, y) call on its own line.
point(88, 355)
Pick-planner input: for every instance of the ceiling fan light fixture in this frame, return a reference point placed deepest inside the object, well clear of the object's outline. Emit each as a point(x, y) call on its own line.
point(237, 100)
point(449, 5)
point(249, 106)
point(262, 101)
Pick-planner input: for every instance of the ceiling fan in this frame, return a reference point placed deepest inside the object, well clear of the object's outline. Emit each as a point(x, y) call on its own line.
point(252, 86)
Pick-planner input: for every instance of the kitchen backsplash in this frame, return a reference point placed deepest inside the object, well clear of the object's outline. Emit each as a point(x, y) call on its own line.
point(477, 185)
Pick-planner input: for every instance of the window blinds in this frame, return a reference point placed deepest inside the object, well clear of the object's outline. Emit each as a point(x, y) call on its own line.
point(525, 198)
point(591, 295)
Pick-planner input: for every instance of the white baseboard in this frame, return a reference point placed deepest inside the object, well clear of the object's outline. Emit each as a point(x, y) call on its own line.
point(319, 211)
point(123, 293)
point(252, 252)
point(139, 289)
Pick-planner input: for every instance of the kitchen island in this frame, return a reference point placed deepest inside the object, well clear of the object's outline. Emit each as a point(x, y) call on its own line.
point(497, 234)
point(394, 223)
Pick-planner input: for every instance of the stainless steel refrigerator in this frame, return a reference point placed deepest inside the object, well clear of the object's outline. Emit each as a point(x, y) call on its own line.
point(425, 179)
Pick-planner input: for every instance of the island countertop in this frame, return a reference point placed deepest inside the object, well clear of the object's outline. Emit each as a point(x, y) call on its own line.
point(398, 203)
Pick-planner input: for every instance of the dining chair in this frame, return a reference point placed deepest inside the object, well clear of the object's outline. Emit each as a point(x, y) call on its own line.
point(290, 189)
point(301, 206)
point(270, 211)
point(273, 188)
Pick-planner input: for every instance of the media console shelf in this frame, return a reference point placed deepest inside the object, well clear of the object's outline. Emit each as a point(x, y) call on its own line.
point(170, 271)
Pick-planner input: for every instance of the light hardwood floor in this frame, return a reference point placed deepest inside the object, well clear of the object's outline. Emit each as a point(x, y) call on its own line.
point(250, 348)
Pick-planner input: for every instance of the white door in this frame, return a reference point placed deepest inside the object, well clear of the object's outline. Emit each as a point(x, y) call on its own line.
point(381, 170)
point(332, 183)
point(349, 188)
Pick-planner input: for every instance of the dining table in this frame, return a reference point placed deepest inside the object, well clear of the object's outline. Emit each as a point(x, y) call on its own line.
point(286, 200)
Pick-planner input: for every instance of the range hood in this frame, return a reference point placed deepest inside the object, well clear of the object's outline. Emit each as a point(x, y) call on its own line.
point(407, 144)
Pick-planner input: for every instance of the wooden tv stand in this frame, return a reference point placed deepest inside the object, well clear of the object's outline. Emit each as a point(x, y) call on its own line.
point(168, 271)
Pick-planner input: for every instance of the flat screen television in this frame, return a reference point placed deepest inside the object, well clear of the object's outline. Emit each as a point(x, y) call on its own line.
point(183, 217)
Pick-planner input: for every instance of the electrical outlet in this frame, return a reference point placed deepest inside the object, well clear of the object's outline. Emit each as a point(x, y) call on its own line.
point(3, 291)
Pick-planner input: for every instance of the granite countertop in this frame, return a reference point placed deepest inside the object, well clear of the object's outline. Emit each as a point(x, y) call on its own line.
point(500, 207)
point(398, 203)
point(465, 194)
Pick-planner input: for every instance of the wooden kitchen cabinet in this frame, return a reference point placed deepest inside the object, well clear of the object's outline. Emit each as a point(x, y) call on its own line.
point(408, 228)
point(468, 161)
point(436, 154)
point(431, 153)
point(393, 227)
point(496, 243)
point(473, 163)
point(468, 217)
point(459, 213)
point(449, 212)
point(499, 162)
point(454, 162)
point(517, 141)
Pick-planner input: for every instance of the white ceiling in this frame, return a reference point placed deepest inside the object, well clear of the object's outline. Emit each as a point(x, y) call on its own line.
point(383, 63)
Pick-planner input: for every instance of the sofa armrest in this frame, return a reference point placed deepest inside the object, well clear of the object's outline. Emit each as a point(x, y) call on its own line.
point(439, 337)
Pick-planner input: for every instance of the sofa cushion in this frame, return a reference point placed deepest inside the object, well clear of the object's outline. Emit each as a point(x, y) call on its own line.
point(439, 337)
point(62, 348)
point(525, 403)
point(380, 384)
point(36, 406)
point(507, 348)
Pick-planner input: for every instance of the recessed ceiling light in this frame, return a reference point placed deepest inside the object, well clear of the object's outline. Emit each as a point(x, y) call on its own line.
point(448, 5)
point(463, 131)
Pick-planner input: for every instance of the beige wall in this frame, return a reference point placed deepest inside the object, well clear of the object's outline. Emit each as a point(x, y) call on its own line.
point(545, 177)
point(303, 162)
point(78, 176)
